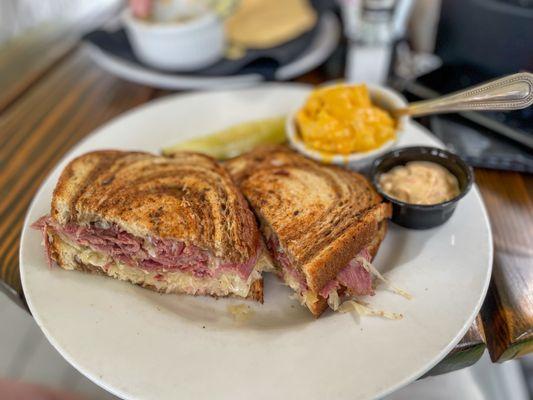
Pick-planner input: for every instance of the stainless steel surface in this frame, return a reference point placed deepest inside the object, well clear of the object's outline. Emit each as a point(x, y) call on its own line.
point(512, 92)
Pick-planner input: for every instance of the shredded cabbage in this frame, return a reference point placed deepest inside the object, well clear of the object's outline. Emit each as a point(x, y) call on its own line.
point(304, 298)
point(372, 270)
point(363, 309)
point(333, 300)
point(297, 296)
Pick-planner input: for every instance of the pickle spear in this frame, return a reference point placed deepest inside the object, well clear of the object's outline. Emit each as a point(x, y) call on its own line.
point(236, 139)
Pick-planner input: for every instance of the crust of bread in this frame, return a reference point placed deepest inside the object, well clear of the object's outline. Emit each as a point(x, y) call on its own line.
point(318, 307)
point(188, 197)
point(256, 291)
point(65, 259)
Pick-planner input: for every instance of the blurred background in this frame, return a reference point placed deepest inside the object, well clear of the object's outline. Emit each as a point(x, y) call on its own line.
point(422, 48)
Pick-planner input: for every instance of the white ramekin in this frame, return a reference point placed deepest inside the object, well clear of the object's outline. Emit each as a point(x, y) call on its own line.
point(380, 96)
point(188, 45)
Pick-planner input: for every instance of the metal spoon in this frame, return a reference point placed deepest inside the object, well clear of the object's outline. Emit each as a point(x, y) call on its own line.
point(512, 92)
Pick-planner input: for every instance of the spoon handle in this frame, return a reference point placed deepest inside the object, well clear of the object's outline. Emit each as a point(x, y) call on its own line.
point(512, 92)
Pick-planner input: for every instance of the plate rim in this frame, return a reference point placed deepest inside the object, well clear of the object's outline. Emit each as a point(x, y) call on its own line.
point(263, 86)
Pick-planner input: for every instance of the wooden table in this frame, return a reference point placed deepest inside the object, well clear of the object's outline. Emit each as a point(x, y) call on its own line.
point(48, 103)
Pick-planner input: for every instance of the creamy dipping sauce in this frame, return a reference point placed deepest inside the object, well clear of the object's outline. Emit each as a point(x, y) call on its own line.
point(420, 182)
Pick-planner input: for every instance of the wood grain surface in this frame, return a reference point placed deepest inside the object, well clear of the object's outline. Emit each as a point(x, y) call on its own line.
point(508, 309)
point(30, 56)
point(75, 96)
point(40, 127)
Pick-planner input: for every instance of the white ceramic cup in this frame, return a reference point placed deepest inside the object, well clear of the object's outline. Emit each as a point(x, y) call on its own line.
point(382, 97)
point(189, 45)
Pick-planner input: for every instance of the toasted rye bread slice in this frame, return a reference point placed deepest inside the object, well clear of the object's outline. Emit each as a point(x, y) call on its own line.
point(188, 197)
point(322, 216)
point(66, 257)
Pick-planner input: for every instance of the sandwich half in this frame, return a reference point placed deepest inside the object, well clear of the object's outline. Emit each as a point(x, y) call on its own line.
point(321, 224)
point(173, 225)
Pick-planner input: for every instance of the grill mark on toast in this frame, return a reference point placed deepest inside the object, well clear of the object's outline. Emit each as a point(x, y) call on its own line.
point(339, 214)
point(197, 199)
point(107, 159)
point(317, 227)
point(189, 197)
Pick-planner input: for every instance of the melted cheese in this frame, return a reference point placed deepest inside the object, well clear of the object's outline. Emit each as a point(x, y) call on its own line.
point(169, 281)
point(342, 119)
point(304, 297)
point(292, 282)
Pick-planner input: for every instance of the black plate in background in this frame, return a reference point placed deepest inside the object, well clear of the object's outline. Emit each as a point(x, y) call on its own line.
point(260, 61)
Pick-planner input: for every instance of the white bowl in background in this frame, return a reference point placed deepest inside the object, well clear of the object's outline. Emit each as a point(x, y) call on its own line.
point(382, 97)
point(187, 45)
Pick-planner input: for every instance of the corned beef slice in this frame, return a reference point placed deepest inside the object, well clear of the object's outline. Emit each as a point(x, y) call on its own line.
point(152, 254)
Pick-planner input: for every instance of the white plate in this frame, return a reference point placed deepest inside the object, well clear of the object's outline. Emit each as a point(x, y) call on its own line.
point(323, 44)
point(142, 345)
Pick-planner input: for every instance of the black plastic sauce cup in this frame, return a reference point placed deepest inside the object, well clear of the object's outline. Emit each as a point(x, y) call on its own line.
point(417, 216)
